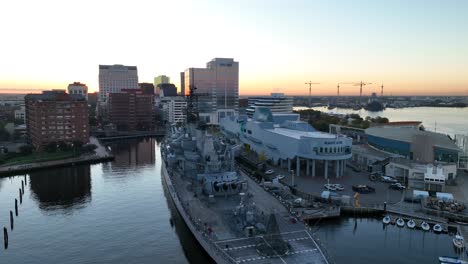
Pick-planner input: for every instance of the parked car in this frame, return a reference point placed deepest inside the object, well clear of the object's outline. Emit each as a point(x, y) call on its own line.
point(268, 172)
point(388, 179)
point(330, 187)
point(397, 186)
point(338, 187)
point(363, 188)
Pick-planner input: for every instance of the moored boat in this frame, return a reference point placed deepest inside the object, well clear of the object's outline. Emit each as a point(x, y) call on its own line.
point(459, 242)
point(425, 226)
point(447, 259)
point(400, 222)
point(437, 228)
point(411, 224)
point(387, 219)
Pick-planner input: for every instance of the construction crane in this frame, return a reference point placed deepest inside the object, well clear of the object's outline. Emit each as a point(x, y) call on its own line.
point(338, 87)
point(310, 89)
point(381, 90)
point(360, 84)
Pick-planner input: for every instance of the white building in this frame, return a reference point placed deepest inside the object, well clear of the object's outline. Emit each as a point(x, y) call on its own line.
point(174, 109)
point(277, 103)
point(78, 88)
point(115, 78)
point(21, 114)
point(462, 143)
point(420, 175)
point(286, 140)
point(217, 87)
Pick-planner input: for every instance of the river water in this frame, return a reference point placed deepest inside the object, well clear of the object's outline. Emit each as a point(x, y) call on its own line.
point(119, 212)
point(446, 120)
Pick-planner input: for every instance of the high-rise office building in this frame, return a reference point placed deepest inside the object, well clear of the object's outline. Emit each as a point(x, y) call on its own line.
point(115, 78)
point(217, 87)
point(182, 83)
point(55, 116)
point(131, 110)
point(277, 103)
point(147, 88)
point(160, 80)
point(78, 88)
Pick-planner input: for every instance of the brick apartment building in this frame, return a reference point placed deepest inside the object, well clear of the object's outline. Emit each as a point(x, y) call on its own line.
point(55, 116)
point(131, 110)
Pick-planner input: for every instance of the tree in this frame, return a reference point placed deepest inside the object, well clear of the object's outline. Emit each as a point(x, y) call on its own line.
point(63, 146)
point(51, 147)
point(26, 149)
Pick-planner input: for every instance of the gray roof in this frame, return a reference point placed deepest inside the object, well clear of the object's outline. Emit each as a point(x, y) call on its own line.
point(408, 134)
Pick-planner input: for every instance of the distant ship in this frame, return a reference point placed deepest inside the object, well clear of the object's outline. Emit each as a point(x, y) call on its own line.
point(374, 105)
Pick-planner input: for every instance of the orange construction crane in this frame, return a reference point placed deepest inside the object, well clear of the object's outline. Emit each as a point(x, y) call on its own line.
point(338, 87)
point(310, 89)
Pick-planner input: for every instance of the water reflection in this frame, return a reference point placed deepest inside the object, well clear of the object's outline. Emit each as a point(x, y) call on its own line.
point(62, 188)
point(193, 251)
point(134, 152)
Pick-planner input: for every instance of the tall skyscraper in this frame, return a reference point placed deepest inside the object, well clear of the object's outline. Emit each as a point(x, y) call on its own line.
point(218, 88)
point(160, 80)
point(182, 83)
point(115, 78)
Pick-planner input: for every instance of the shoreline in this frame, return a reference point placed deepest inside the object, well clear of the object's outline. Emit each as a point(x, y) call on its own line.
point(101, 155)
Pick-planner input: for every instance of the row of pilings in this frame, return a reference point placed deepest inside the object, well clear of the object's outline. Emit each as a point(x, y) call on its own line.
point(12, 219)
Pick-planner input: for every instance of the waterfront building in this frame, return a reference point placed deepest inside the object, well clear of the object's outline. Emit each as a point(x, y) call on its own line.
point(115, 78)
point(419, 175)
point(413, 144)
point(20, 114)
point(78, 88)
point(55, 116)
point(277, 103)
point(217, 87)
point(285, 140)
point(462, 143)
point(131, 110)
point(147, 88)
point(160, 80)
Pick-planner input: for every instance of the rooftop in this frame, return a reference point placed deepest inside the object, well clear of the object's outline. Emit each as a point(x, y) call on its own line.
point(297, 134)
point(406, 134)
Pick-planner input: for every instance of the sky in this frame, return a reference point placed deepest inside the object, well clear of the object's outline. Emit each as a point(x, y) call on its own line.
point(416, 47)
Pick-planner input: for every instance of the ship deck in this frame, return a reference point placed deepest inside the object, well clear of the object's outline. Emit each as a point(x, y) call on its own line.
point(241, 249)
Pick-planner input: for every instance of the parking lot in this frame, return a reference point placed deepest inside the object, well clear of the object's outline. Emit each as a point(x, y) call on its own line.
point(315, 185)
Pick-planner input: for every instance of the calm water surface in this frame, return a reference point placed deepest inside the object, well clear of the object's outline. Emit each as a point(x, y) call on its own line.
point(118, 212)
point(445, 120)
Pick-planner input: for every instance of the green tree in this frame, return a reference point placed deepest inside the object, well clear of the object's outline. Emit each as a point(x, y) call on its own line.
point(51, 147)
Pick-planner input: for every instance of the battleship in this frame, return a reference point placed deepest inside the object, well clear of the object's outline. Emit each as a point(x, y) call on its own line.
point(231, 216)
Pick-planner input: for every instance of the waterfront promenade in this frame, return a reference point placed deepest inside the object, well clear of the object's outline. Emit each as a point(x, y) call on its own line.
point(100, 154)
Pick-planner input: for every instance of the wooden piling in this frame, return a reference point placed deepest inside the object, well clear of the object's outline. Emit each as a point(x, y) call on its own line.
point(5, 237)
point(11, 220)
point(20, 196)
point(22, 187)
point(25, 180)
point(16, 207)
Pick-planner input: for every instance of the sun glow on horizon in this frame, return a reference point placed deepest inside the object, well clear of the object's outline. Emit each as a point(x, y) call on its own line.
point(413, 48)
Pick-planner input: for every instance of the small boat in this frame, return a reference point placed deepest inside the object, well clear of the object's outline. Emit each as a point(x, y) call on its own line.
point(452, 260)
point(400, 222)
point(437, 228)
point(459, 242)
point(425, 226)
point(386, 220)
point(411, 224)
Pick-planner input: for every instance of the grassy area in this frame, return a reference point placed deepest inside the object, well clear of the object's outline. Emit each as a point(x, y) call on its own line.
point(39, 157)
